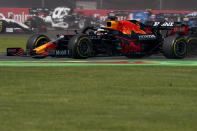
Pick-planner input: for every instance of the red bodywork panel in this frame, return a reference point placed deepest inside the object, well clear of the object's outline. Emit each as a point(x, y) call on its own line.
point(180, 29)
point(127, 27)
point(50, 46)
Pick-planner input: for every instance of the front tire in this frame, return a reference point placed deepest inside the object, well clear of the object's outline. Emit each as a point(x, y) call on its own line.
point(36, 41)
point(80, 46)
point(2, 27)
point(175, 47)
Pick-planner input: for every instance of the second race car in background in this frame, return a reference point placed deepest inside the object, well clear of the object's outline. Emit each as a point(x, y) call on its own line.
point(66, 18)
point(170, 17)
point(9, 25)
point(141, 16)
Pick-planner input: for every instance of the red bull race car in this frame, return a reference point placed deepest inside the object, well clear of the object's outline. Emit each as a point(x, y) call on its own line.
point(119, 38)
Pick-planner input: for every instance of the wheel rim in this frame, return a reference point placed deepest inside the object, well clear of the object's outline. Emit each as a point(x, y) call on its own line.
point(84, 48)
point(180, 48)
point(41, 41)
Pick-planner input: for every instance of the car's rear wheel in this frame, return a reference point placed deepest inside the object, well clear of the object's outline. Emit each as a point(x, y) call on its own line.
point(36, 41)
point(192, 45)
point(80, 46)
point(175, 47)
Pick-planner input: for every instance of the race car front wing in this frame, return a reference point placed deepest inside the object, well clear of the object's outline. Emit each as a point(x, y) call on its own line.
point(22, 52)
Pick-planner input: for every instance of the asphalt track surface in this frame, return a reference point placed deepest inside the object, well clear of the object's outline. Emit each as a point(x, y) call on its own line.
point(158, 60)
point(155, 60)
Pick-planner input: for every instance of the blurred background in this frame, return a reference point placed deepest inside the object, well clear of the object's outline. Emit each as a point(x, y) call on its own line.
point(46, 15)
point(105, 4)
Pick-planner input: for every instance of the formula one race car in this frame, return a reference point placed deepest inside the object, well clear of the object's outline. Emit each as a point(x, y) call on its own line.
point(119, 38)
point(173, 17)
point(8, 25)
point(67, 18)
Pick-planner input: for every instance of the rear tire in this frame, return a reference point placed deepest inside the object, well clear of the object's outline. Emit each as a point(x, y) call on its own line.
point(80, 46)
point(192, 45)
point(36, 41)
point(175, 47)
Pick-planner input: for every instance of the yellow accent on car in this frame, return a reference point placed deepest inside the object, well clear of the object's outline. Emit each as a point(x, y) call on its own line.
point(191, 38)
point(175, 47)
point(112, 24)
point(40, 49)
point(40, 39)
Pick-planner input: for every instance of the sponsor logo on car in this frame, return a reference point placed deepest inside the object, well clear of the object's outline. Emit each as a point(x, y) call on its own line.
point(58, 52)
point(147, 37)
point(94, 37)
point(164, 24)
point(62, 52)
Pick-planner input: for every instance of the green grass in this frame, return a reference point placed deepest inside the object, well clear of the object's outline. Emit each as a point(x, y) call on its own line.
point(6, 42)
point(98, 98)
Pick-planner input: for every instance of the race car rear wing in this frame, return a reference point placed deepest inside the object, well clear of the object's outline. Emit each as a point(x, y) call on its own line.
point(162, 25)
point(174, 27)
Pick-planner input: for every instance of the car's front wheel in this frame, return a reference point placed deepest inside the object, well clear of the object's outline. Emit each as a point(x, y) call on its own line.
point(36, 41)
point(80, 46)
point(2, 27)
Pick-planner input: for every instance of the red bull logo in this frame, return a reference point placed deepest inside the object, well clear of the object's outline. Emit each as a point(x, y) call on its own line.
point(130, 45)
point(125, 27)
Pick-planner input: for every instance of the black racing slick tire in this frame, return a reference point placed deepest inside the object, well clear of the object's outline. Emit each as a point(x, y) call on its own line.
point(192, 45)
point(36, 41)
point(175, 47)
point(2, 27)
point(81, 47)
